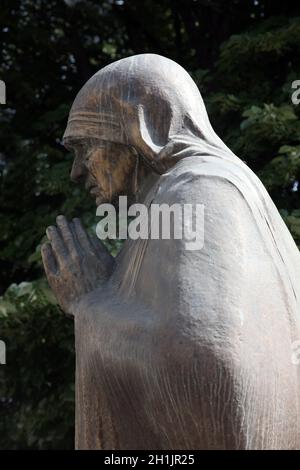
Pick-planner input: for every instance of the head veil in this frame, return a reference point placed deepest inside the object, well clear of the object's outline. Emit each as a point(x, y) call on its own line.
point(148, 102)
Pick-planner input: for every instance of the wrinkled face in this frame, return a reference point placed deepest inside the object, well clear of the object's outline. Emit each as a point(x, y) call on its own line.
point(107, 169)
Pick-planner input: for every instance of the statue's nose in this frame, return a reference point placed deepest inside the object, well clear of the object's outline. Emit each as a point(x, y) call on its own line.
point(78, 171)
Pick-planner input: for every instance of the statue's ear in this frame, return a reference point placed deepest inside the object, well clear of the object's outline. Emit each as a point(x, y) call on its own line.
point(148, 127)
point(155, 121)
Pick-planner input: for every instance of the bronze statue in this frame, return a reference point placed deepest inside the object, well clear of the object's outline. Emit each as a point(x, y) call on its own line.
point(175, 349)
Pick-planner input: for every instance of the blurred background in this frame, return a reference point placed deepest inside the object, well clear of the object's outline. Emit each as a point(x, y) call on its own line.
point(244, 56)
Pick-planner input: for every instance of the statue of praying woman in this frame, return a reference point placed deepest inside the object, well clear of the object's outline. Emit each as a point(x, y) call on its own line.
point(175, 348)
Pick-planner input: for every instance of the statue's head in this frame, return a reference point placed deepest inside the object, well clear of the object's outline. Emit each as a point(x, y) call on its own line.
point(127, 117)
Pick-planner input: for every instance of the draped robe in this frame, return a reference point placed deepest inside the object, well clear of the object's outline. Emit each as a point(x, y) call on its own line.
point(185, 349)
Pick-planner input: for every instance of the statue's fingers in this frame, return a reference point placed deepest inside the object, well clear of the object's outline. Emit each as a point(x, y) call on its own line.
point(99, 248)
point(82, 236)
point(49, 260)
point(95, 242)
point(67, 234)
point(57, 243)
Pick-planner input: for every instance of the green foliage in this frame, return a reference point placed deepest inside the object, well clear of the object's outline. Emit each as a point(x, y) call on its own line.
point(265, 128)
point(252, 108)
point(283, 170)
point(293, 222)
point(37, 383)
point(244, 56)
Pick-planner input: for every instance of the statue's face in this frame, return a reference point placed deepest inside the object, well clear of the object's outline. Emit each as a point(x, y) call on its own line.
point(107, 169)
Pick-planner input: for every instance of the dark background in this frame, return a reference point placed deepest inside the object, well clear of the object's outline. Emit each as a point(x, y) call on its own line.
point(244, 56)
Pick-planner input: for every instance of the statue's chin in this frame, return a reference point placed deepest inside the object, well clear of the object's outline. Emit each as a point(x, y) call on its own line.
point(114, 199)
point(104, 199)
point(101, 200)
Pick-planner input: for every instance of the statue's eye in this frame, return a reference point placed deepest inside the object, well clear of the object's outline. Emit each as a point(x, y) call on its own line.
point(88, 154)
